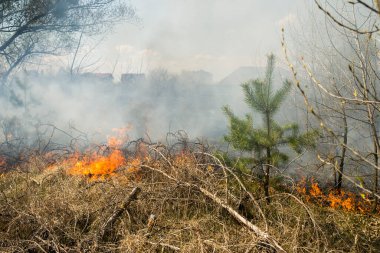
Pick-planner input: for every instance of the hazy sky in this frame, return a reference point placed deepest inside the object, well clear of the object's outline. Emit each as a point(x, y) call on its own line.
point(214, 35)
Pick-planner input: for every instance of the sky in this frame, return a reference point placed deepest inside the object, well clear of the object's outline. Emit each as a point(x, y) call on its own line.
point(218, 36)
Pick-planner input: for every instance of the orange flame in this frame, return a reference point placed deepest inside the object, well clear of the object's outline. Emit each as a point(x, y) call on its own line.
point(99, 166)
point(315, 191)
point(120, 138)
point(347, 201)
point(183, 159)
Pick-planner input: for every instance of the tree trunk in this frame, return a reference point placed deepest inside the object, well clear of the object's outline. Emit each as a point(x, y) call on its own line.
point(376, 150)
point(376, 177)
point(266, 183)
point(267, 167)
point(343, 154)
point(266, 176)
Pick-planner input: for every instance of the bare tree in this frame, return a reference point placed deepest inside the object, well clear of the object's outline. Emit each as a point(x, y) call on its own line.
point(38, 27)
point(337, 12)
point(348, 83)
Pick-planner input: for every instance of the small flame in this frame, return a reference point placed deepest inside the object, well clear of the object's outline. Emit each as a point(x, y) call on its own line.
point(315, 191)
point(121, 137)
point(114, 142)
point(183, 159)
point(344, 200)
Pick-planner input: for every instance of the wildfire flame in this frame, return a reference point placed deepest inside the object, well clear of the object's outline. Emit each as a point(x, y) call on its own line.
point(344, 200)
point(100, 166)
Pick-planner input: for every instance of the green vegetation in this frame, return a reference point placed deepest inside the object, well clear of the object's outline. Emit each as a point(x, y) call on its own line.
point(266, 142)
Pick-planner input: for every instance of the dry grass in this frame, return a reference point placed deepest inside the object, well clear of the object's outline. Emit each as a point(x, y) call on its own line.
point(49, 211)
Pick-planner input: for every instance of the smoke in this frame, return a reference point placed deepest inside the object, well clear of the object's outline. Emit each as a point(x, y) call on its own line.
point(152, 106)
point(91, 106)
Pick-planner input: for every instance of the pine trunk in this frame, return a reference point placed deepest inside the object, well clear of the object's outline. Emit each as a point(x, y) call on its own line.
point(266, 177)
point(269, 160)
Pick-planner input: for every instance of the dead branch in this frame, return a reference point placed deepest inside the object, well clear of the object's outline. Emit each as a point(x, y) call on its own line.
point(256, 230)
point(341, 24)
point(165, 245)
point(242, 185)
point(370, 7)
point(107, 226)
point(318, 83)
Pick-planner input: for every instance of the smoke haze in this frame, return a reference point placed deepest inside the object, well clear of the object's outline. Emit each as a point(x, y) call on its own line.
point(192, 57)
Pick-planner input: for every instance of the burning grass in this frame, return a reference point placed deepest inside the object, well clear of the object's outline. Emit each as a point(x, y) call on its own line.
point(343, 200)
point(79, 205)
point(96, 166)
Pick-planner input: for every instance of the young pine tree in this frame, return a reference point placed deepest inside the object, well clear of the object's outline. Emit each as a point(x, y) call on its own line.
point(265, 142)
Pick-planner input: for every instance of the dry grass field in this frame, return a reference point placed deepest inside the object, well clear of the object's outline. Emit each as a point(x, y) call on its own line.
point(158, 199)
